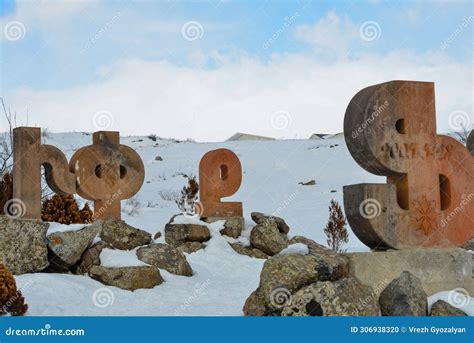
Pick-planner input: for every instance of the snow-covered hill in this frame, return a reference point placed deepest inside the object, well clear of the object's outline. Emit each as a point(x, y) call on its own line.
point(223, 279)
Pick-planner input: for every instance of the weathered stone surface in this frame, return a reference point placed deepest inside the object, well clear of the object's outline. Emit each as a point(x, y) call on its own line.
point(442, 308)
point(233, 227)
point(345, 297)
point(177, 234)
point(390, 130)
point(166, 257)
point(260, 218)
point(267, 238)
point(248, 250)
point(157, 235)
point(469, 245)
point(220, 176)
point(377, 269)
point(23, 245)
point(122, 236)
point(314, 247)
point(90, 258)
point(282, 276)
point(404, 296)
point(255, 305)
point(66, 248)
point(190, 247)
point(128, 278)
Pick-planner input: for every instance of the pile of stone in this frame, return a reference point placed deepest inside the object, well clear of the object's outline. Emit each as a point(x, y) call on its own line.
point(320, 284)
point(188, 237)
point(267, 238)
point(25, 247)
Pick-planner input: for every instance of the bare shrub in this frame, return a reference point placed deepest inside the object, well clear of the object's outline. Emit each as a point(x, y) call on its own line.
point(335, 230)
point(189, 196)
point(168, 195)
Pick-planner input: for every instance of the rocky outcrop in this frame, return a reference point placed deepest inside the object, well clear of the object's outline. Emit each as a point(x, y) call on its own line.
point(284, 275)
point(233, 227)
point(120, 235)
point(178, 234)
point(90, 258)
point(23, 245)
point(404, 296)
point(345, 297)
point(66, 248)
point(260, 218)
point(166, 257)
point(128, 278)
point(248, 250)
point(442, 308)
point(267, 238)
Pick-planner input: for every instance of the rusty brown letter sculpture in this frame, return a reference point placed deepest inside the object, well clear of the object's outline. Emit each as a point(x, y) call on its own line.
point(428, 200)
point(220, 175)
point(107, 172)
point(28, 156)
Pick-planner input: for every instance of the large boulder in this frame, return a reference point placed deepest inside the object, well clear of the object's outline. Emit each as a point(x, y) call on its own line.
point(260, 218)
point(248, 250)
point(233, 227)
point(442, 308)
point(345, 297)
point(23, 246)
point(66, 248)
point(178, 234)
point(267, 238)
point(166, 257)
point(122, 236)
point(284, 275)
point(90, 258)
point(404, 296)
point(128, 278)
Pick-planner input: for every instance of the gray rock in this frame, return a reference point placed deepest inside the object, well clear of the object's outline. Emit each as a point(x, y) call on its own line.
point(404, 296)
point(345, 297)
point(157, 235)
point(267, 238)
point(128, 278)
point(442, 308)
point(177, 234)
point(248, 251)
point(260, 218)
point(166, 257)
point(122, 236)
point(310, 182)
point(90, 258)
point(469, 244)
point(233, 227)
point(66, 248)
point(255, 305)
point(191, 247)
point(284, 275)
point(23, 245)
point(158, 158)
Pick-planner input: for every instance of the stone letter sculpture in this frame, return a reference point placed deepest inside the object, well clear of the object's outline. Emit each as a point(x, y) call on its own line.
point(107, 172)
point(428, 200)
point(28, 156)
point(220, 175)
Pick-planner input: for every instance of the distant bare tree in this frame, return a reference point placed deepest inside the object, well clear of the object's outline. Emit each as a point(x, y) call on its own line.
point(463, 134)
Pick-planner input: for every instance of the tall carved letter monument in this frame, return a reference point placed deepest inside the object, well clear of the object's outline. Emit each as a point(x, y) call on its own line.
point(428, 198)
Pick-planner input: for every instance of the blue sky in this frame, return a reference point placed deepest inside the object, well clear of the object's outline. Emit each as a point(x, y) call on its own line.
point(68, 48)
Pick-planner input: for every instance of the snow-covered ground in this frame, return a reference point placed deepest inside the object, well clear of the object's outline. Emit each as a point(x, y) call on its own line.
point(222, 279)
